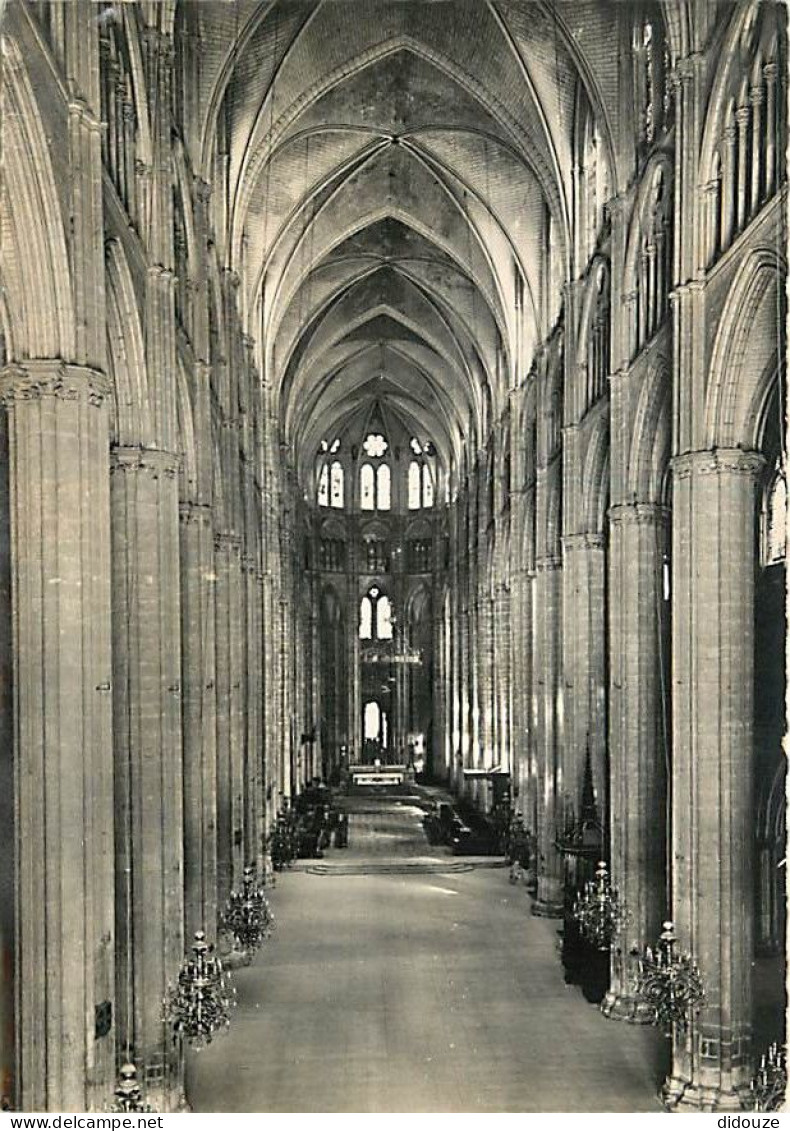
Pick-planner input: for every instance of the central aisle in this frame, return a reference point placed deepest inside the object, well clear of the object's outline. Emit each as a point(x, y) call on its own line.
point(416, 993)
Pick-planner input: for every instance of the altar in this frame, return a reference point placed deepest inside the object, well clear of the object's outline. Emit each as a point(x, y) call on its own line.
point(379, 775)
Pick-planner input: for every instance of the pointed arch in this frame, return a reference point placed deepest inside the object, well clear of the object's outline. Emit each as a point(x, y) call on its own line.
point(595, 477)
point(599, 269)
point(651, 439)
point(659, 163)
point(127, 350)
point(748, 346)
point(38, 276)
point(188, 472)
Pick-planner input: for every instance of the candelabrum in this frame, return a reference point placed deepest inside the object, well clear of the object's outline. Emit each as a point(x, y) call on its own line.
point(128, 1096)
point(669, 982)
point(248, 916)
point(599, 911)
point(200, 1003)
point(769, 1084)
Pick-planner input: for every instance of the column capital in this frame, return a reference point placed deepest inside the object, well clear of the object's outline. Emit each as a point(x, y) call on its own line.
point(39, 379)
point(687, 67)
point(226, 543)
point(586, 540)
point(638, 514)
point(718, 461)
point(151, 460)
point(194, 514)
point(548, 564)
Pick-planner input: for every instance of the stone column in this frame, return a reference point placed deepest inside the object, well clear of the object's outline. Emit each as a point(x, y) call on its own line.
point(756, 98)
point(742, 116)
point(198, 714)
point(484, 657)
point(8, 765)
point(473, 645)
point(713, 864)
point(516, 639)
point(638, 740)
point(286, 671)
point(253, 761)
point(58, 499)
point(464, 698)
point(546, 662)
point(729, 189)
point(532, 803)
point(270, 716)
point(502, 611)
point(584, 667)
point(353, 666)
point(769, 73)
point(230, 766)
point(148, 758)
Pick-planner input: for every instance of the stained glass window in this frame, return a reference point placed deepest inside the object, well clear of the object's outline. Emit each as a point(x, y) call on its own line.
point(414, 485)
point(384, 619)
point(775, 540)
point(323, 486)
point(427, 486)
point(336, 484)
point(366, 619)
point(367, 487)
point(372, 717)
point(375, 445)
point(383, 485)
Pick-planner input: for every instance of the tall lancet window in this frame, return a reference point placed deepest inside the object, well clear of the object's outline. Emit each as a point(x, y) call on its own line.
point(375, 476)
point(367, 487)
point(323, 486)
point(384, 618)
point(414, 486)
point(366, 619)
point(383, 488)
point(330, 490)
point(375, 615)
point(336, 484)
point(427, 486)
point(774, 532)
point(420, 489)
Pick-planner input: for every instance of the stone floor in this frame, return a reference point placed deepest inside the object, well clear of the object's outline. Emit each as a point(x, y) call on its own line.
point(428, 992)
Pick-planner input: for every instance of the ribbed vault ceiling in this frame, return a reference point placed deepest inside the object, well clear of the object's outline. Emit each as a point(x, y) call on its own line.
point(391, 166)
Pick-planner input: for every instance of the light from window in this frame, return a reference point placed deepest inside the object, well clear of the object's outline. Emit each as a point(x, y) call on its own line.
point(414, 486)
point(367, 487)
point(416, 446)
point(323, 486)
point(427, 486)
point(383, 488)
point(336, 484)
point(384, 619)
point(776, 521)
point(375, 445)
point(335, 447)
point(366, 619)
point(372, 724)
